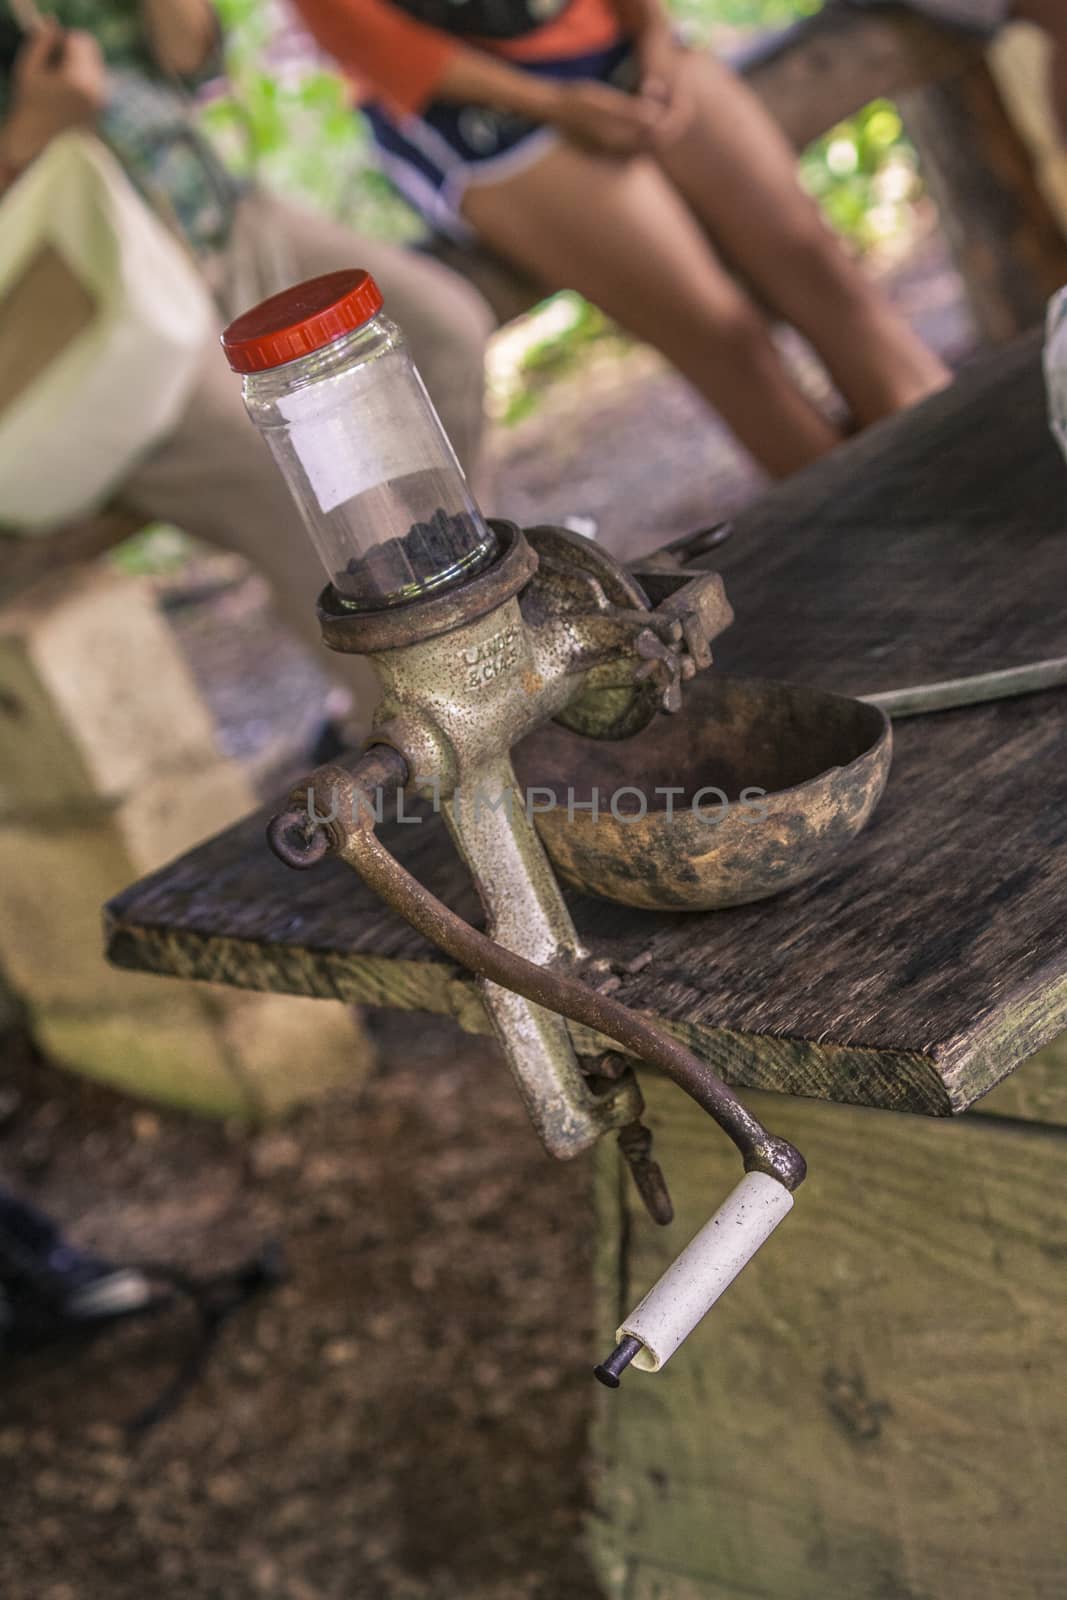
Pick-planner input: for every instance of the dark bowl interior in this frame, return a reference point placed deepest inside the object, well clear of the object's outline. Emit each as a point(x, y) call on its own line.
point(731, 734)
point(812, 764)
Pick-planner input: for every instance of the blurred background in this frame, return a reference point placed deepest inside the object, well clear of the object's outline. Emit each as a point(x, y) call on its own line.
point(375, 1427)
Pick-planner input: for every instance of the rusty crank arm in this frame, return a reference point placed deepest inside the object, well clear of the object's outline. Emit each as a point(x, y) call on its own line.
point(773, 1168)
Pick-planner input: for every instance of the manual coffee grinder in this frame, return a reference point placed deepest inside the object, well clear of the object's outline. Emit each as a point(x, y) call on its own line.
point(481, 632)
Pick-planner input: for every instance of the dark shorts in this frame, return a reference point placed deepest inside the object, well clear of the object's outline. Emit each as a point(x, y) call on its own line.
point(432, 158)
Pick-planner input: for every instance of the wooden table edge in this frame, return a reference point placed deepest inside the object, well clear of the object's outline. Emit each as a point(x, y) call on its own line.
point(893, 1080)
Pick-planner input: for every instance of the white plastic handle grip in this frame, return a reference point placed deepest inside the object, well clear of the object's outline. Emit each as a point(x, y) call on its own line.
point(705, 1269)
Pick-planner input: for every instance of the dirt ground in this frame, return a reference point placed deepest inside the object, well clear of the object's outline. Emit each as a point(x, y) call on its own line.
point(403, 1418)
point(406, 1417)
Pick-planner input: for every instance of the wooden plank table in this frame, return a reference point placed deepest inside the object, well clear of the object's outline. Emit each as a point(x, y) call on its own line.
point(876, 1407)
point(934, 958)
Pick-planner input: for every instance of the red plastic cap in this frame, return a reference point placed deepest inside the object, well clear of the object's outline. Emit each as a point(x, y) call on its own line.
point(301, 319)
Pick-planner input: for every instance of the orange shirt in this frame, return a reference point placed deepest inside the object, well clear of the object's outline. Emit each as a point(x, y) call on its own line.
point(402, 60)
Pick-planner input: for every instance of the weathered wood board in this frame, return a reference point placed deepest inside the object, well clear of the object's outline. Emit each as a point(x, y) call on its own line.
point(875, 1407)
point(931, 546)
point(919, 973)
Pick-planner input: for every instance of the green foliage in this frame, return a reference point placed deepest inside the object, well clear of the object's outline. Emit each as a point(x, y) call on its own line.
point(157, 551)
point(704, 16)
point(552, 340)
point(864, 175)
point(761, 13)
point(296, 129)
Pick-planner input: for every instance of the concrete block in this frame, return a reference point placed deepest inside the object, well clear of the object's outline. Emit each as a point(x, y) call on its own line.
point(164, 818)
point(55, 878)
point(287, 1049)
point(95, 696)
point(161, 1044)
point(109, 769)
point(219, 1052)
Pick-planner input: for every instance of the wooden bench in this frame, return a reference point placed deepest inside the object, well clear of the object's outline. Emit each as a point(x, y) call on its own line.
point(1008, 244)
point(26, 561)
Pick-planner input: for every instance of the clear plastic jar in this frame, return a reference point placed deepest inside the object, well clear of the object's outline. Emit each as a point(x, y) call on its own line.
point(330, 384)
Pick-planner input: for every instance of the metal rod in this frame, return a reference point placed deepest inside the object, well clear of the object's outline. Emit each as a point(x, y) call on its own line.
point(610, 1371)
point(983, 687)
point(355, 840)
point(688, 546)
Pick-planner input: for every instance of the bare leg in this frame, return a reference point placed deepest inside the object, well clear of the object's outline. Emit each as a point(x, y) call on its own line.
point(1052, 16)
point(620, 234)
point(738, 173)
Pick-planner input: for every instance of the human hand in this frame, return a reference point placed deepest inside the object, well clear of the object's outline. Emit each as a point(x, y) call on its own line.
point(602, 118)
point(664, 81)
point(59, 82)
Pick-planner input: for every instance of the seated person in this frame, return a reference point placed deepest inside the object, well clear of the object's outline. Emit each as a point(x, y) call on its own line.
point(579, 139)
point(116, 70)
